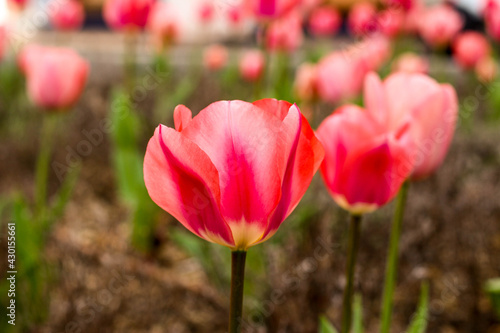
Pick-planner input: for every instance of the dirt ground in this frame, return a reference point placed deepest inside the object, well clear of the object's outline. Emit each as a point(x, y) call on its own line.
point(451, 237)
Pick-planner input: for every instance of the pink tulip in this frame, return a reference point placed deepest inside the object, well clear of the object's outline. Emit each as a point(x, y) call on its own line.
point(364, 165)
point(340, 76)
point(374, 51)
point(235, 15)
point(492, 19)
point(439, 25)
point(400, 4)
point(206, 12)
point(270, 9)
point(3, 41)
point(306, 82)
point(469, 48)
point(362, 19)
point(127, 14)
point(324, 21)
point(215, 57)
point(164, 25)
point(252, 65)
point(28, 57)
point(18, 4)
point(285, 34)
point(67, 15)
point(413, 17)
point(391, 21)
point(430, 108)
point(411, 63)
point(487, 69)
point(55, 76)
point(233, 173)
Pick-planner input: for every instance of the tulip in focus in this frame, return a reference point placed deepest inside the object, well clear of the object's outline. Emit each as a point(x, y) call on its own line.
point(285, 34)
point(487, 69)
point(67, 15)
point(361, 159)
point(252, 65)
point(127, 14)
point(411, 63)
point(492, 19)
point(362, 19)
point(215, 57)
point(324, 21)
point(469, 48)
point(232, 174)
point(306, 82)
point(431, 114)
point(439, 25)
point(164, 25)
point(55, 76)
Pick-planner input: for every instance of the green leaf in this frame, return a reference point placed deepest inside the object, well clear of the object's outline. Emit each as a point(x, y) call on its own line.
point(325, 326)
point(419, 321)
point(357, 318)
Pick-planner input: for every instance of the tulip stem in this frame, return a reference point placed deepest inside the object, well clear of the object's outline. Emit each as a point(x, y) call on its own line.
point(42, 164)
point(237, 282)
point(352, 252)
point(392, 259)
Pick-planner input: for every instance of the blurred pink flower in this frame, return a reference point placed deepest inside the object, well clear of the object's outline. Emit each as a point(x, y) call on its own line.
point(340, 76)
point(235, 14)
point(361, 157)
point(324, 21)
point(18, 4)
point(431, 114)
point(362, 19)
point(252, 65)
point(206, 12)
point(3, 41)
point(215, 57)
point(411, 63)
point(469, 48)
point(492, 19)
point(391, 21)
point(270, 9)
point(55, 76)
point(164, 25)
point(374, 50)
point(67, 15)
point(306, 82)
point(400, 4)
point(438, 25)
point(28, 57)
point(285, 34)
point(487, 69)
point(127, 14)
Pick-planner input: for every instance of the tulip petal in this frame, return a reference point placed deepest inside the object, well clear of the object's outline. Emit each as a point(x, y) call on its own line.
point(244, 144)
point(182, 117)
point(182, 180)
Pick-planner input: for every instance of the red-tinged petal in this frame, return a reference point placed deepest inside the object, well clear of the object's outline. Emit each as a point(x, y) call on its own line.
point(244, 144)
point(182, 117)
point(298, 173)
point(182, 180)
point(273, 106)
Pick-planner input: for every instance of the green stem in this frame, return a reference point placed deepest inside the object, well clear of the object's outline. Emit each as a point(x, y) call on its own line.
point(352, 252)
point(42, 164)
point(392, 259)
point(237, 282)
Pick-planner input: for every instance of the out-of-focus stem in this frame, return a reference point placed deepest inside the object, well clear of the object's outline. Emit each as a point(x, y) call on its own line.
point(352, 253)
point(392, 259)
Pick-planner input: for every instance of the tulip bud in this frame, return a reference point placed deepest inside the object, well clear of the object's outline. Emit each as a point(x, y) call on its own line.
point(67, 15)
point(252, 65)
point(215, 57)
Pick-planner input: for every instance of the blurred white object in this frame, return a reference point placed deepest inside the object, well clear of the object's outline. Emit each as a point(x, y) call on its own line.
point(475, 7)
point(3, 12)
